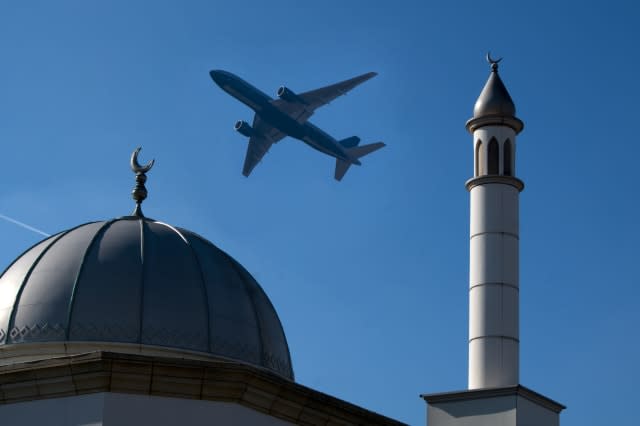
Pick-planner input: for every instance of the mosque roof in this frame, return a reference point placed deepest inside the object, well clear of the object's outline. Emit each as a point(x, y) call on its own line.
point(140, 282)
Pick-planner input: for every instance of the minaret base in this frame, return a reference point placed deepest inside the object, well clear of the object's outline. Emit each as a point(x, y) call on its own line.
point(508, 406)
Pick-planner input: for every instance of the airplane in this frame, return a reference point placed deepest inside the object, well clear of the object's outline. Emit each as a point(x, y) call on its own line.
point(288, 115)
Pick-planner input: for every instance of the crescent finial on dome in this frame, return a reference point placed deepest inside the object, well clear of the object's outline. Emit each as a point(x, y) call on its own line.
point(139, 193)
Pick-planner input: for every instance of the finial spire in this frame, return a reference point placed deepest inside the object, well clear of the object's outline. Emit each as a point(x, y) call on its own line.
point(493, 62)
point(139, 193)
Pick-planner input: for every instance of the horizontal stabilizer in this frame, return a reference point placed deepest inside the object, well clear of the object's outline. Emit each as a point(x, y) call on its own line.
point(356, 152)
point(350, 142)
point(361, 151)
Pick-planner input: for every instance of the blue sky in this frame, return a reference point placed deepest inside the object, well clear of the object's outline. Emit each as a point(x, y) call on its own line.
point(369, 275)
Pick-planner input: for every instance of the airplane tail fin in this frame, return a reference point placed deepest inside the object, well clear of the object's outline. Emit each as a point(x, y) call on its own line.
point(355, 152)
point(341, 168)
point(350, 142)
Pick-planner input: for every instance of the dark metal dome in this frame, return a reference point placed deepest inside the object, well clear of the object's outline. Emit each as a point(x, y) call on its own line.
point(141, 282)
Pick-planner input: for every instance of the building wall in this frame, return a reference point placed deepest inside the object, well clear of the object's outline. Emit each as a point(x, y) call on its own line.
point(115, 409)
point(530, 414)
point(500, 410)
point(477, 412)
point(85, 410)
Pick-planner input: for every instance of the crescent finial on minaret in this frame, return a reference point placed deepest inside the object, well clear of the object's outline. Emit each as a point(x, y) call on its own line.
point(139, 193)
point(493, 62)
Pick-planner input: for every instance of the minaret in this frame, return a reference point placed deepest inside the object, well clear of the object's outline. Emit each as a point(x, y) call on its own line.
point(493, 273)
point(494, 395)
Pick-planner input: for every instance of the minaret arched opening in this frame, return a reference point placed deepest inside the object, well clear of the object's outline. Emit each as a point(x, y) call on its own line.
point(479, 157)
point(507, 166)
point(493, 155)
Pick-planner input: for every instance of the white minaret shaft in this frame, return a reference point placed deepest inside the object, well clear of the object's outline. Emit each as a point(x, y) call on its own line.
point(494, 240)
point(495, 395)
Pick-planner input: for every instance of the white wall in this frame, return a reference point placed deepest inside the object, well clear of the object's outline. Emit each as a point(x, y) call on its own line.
point(83, 410)
point(497, 411)
point(114, 409)
point(506, 410)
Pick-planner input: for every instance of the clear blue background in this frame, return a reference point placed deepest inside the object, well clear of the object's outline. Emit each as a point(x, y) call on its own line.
point(369, 275)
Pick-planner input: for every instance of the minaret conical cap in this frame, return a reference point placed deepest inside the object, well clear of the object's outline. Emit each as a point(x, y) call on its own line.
point(494, 98)
point(494, 105)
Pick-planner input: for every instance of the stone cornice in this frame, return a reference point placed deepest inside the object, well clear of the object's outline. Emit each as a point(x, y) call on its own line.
point(493, 120)
point(507, 180)
point(179, 378)
point(518, 390)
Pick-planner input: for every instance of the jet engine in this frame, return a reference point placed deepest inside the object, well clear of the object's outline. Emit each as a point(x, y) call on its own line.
point(244, 128)
point(288, 95)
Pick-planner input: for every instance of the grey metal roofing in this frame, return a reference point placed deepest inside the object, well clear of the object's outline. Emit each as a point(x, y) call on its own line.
point(494, 100)
point(136, 280)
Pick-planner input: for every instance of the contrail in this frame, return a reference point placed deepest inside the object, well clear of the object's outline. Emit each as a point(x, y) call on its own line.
point(24, 225)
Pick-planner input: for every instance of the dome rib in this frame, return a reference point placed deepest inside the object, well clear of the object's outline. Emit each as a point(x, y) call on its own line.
point(253, 306)
point(14, 261)
point(202, 281)
point(288, 353)
point(142, 280)
point(98, 235)
point(53, 239)
point(12, 316)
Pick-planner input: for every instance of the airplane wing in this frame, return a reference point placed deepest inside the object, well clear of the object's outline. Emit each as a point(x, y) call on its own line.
point(313, 99)
point(259, 143)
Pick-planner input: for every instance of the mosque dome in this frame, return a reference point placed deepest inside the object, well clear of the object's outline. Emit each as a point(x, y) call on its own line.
point(139, 284)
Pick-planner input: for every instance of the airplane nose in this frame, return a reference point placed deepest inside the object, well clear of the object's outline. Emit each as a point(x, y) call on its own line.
point(217, 76)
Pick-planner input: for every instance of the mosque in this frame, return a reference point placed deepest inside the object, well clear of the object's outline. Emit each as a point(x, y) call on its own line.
point(133, 321)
